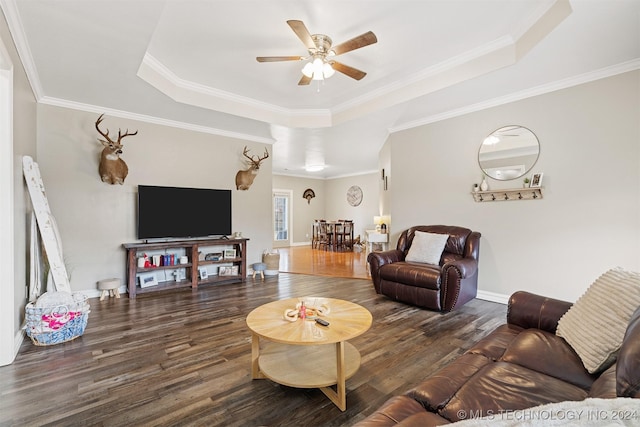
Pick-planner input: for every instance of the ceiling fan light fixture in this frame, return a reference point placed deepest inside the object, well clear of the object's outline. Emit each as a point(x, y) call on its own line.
point(318, 65)
point(327, 70)
point(318, 69)
point(307, 70)
point(320, 48)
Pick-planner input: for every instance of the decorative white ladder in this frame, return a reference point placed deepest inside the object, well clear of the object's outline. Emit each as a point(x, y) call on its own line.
point(46, 224)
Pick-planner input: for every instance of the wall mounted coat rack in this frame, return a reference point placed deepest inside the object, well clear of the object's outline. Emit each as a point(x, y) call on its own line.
point(508, 194)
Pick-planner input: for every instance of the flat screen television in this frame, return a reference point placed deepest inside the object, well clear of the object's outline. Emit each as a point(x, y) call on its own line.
point(179, 212)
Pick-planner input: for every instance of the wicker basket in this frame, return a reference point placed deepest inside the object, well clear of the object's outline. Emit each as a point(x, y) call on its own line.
point(56, 317)
point(272, 260)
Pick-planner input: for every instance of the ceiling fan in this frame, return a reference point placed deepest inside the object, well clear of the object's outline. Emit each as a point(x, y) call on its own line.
point(321, 52)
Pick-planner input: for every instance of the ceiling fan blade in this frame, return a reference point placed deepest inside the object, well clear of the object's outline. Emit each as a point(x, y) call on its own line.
point(304, 80)
point(354, 73)
point(355, 43)
point(303, 34)
point(278, 58)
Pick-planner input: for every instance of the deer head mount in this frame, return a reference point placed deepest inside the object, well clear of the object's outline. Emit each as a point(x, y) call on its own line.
point(112, 169)
point(244, 178)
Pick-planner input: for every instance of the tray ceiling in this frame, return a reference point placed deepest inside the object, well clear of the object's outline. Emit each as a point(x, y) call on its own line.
point(192, 64)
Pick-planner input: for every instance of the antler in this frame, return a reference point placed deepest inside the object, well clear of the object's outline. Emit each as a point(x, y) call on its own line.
point(253, 160)
point(106, 135)
point(266, 156)
point(126, 133)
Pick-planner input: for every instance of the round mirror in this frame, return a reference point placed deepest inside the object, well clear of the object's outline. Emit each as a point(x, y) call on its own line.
point(508, 153)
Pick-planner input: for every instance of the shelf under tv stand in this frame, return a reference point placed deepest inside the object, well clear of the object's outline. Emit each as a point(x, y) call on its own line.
point(191, 249)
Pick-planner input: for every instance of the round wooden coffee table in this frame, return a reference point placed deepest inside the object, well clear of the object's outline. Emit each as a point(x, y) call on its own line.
point(299, 354)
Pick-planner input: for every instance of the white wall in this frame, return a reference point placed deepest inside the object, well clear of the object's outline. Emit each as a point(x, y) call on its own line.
point(95, 218)
point(337, 206)
point(589, 218)
point(331, 203)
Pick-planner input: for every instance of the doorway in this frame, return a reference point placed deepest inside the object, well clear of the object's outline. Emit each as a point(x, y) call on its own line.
point(282, 218)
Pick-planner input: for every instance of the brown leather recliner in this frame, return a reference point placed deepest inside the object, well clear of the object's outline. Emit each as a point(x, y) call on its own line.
point(443, 287)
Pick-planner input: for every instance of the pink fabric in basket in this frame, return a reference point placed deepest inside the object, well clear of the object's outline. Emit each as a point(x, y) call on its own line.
point(56, 321)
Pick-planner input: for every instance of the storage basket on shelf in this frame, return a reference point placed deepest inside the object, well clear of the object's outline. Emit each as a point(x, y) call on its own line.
point(57, 317)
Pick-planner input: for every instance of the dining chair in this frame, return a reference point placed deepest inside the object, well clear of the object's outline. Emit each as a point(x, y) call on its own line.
point(346, 237)
point(324, 237)
point(315, 233)
point(338, 226)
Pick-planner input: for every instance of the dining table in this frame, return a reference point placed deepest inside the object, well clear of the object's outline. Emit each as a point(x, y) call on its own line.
point(334, 229)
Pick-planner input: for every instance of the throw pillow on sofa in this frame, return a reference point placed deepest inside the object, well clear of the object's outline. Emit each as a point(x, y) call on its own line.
point(595, 325)
point(427, 247)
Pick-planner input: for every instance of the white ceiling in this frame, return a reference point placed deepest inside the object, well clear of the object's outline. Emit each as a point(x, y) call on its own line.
point(192, 64)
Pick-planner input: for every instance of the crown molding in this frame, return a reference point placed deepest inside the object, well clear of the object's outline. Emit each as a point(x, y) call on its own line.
point(524, 94)
point(294, 175)
point(428, 74)
point(350, 175)
point(16, 29)
point(166, 81)
point(151, 119)
point(486, 58)
point(326, 178)
point(502, 52)
point(489, 57)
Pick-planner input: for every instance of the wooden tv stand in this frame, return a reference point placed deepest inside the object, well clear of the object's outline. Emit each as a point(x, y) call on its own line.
point(190, 249)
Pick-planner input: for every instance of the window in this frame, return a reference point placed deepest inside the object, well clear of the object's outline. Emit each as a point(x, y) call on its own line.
point(280, 216)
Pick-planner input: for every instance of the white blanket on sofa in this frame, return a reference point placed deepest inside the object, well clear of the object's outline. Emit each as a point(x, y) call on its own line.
point(585, 413)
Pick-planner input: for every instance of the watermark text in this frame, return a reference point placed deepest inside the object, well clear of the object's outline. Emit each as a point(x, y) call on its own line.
point(538, 414)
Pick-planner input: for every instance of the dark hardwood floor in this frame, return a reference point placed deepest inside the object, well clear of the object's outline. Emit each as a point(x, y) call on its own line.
point(183, 358)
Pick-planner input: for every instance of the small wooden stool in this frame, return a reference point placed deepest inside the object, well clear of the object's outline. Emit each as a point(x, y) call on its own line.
point(259, 267)
point(109, 287)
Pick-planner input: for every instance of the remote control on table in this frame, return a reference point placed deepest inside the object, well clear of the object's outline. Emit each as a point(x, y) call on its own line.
point(322, 322)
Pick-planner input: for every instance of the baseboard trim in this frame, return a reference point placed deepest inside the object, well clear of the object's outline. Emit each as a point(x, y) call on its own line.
point(301, 244)
point(95, 293)
point(493, 297)
point(17, 341)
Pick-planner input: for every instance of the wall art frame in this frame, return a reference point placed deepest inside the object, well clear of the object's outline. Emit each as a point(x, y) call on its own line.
point(230, 270)
point(536, 180)
point(147, 279)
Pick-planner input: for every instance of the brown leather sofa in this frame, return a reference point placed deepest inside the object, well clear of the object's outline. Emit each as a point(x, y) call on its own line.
point(519, 365)
point(443, 287)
